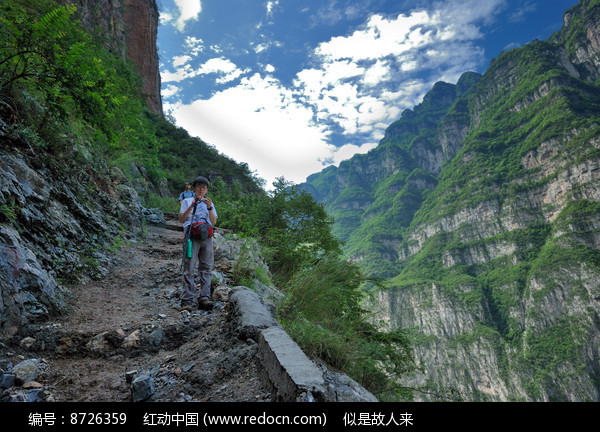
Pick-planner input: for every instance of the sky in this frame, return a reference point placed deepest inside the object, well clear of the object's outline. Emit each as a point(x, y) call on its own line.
point(293, 86)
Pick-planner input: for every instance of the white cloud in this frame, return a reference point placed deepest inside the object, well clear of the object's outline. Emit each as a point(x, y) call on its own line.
point(346, 88)
point(260, 47)
point(224, 68)
point(365, 79)
point(329, 14)
point(261, 123)
point(270, 6)
point(346, 151)
point(358, 83)
point(180, 74)
point(188, 10)
point(180, 60)
point(194, 45)
point(380, 38)
point(521, 14)
point(377, 73)
point(170, 91)
point(216, 65)
point(165, 17)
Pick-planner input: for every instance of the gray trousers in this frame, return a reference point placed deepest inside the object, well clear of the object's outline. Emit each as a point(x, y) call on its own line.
point(204, 256)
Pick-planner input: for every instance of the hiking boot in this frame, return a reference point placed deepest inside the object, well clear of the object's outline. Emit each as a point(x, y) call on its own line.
point(186, 307)
point(205, 304)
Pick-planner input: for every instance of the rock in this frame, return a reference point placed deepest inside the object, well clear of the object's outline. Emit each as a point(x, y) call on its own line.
point(27, 342)
point(32, 395)
point(154, 215)
point(65, 236)
point(183, 397)
point(221, 293)
point(142, 388)
point(342, 388)
point(130, 30)
point(32, 385)
point(21, 307)
point(250, 314)
point(27, 370)
point(133, 340)
point(98, 343)
point(155, 338)
point(306, 397)
point(7, 380)
point(129, 376)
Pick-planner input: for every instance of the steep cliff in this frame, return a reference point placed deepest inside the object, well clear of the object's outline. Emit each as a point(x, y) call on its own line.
point(374, 197)
point(129, 29)
point(60, 220)
point(487, 221)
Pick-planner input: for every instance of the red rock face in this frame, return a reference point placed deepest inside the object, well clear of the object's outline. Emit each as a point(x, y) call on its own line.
point(129, 29)
point(141, 26)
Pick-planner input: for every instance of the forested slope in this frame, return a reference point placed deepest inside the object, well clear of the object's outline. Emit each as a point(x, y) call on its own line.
point(481, 209)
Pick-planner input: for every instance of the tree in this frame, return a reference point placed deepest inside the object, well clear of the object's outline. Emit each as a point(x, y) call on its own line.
point(32, 45)
point(288, 222)
point(50, 66)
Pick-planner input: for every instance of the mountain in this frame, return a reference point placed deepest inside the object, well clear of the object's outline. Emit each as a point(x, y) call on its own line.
point(480, 207)
point(374, 197)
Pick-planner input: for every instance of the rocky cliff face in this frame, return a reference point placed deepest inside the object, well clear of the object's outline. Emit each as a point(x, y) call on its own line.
point(129, 28)
point(374, 197)
point(59, 219)
point(491, 239)
point(69, 292)
point(141, 29)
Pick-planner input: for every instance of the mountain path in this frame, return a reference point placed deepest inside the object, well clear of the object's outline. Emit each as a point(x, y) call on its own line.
point(128, 321)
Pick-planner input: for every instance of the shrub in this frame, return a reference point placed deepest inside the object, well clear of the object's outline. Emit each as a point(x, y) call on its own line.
point(325, 313)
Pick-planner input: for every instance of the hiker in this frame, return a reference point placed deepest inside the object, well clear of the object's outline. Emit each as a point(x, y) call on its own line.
point(198, 213)
point(187, 193)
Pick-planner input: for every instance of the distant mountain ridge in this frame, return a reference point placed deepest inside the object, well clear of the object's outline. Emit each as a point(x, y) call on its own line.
point(373, 197)
point(481, 207)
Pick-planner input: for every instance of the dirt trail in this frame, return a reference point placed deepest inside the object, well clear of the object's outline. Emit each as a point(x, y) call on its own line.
point(129, 320)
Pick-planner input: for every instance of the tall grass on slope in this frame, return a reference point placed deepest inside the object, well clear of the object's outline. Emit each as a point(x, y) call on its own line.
point(324, 313)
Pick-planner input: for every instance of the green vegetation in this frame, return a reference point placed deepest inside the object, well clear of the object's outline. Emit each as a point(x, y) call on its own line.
point(324, 311)
point(61, 90)
point(574, 35)
point(325, 296)
point(508, 229)
point(529, 121)
point(373, 212)
point(61, 85)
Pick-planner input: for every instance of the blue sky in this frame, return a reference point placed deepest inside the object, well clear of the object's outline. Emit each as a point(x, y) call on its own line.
point(293, 86)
